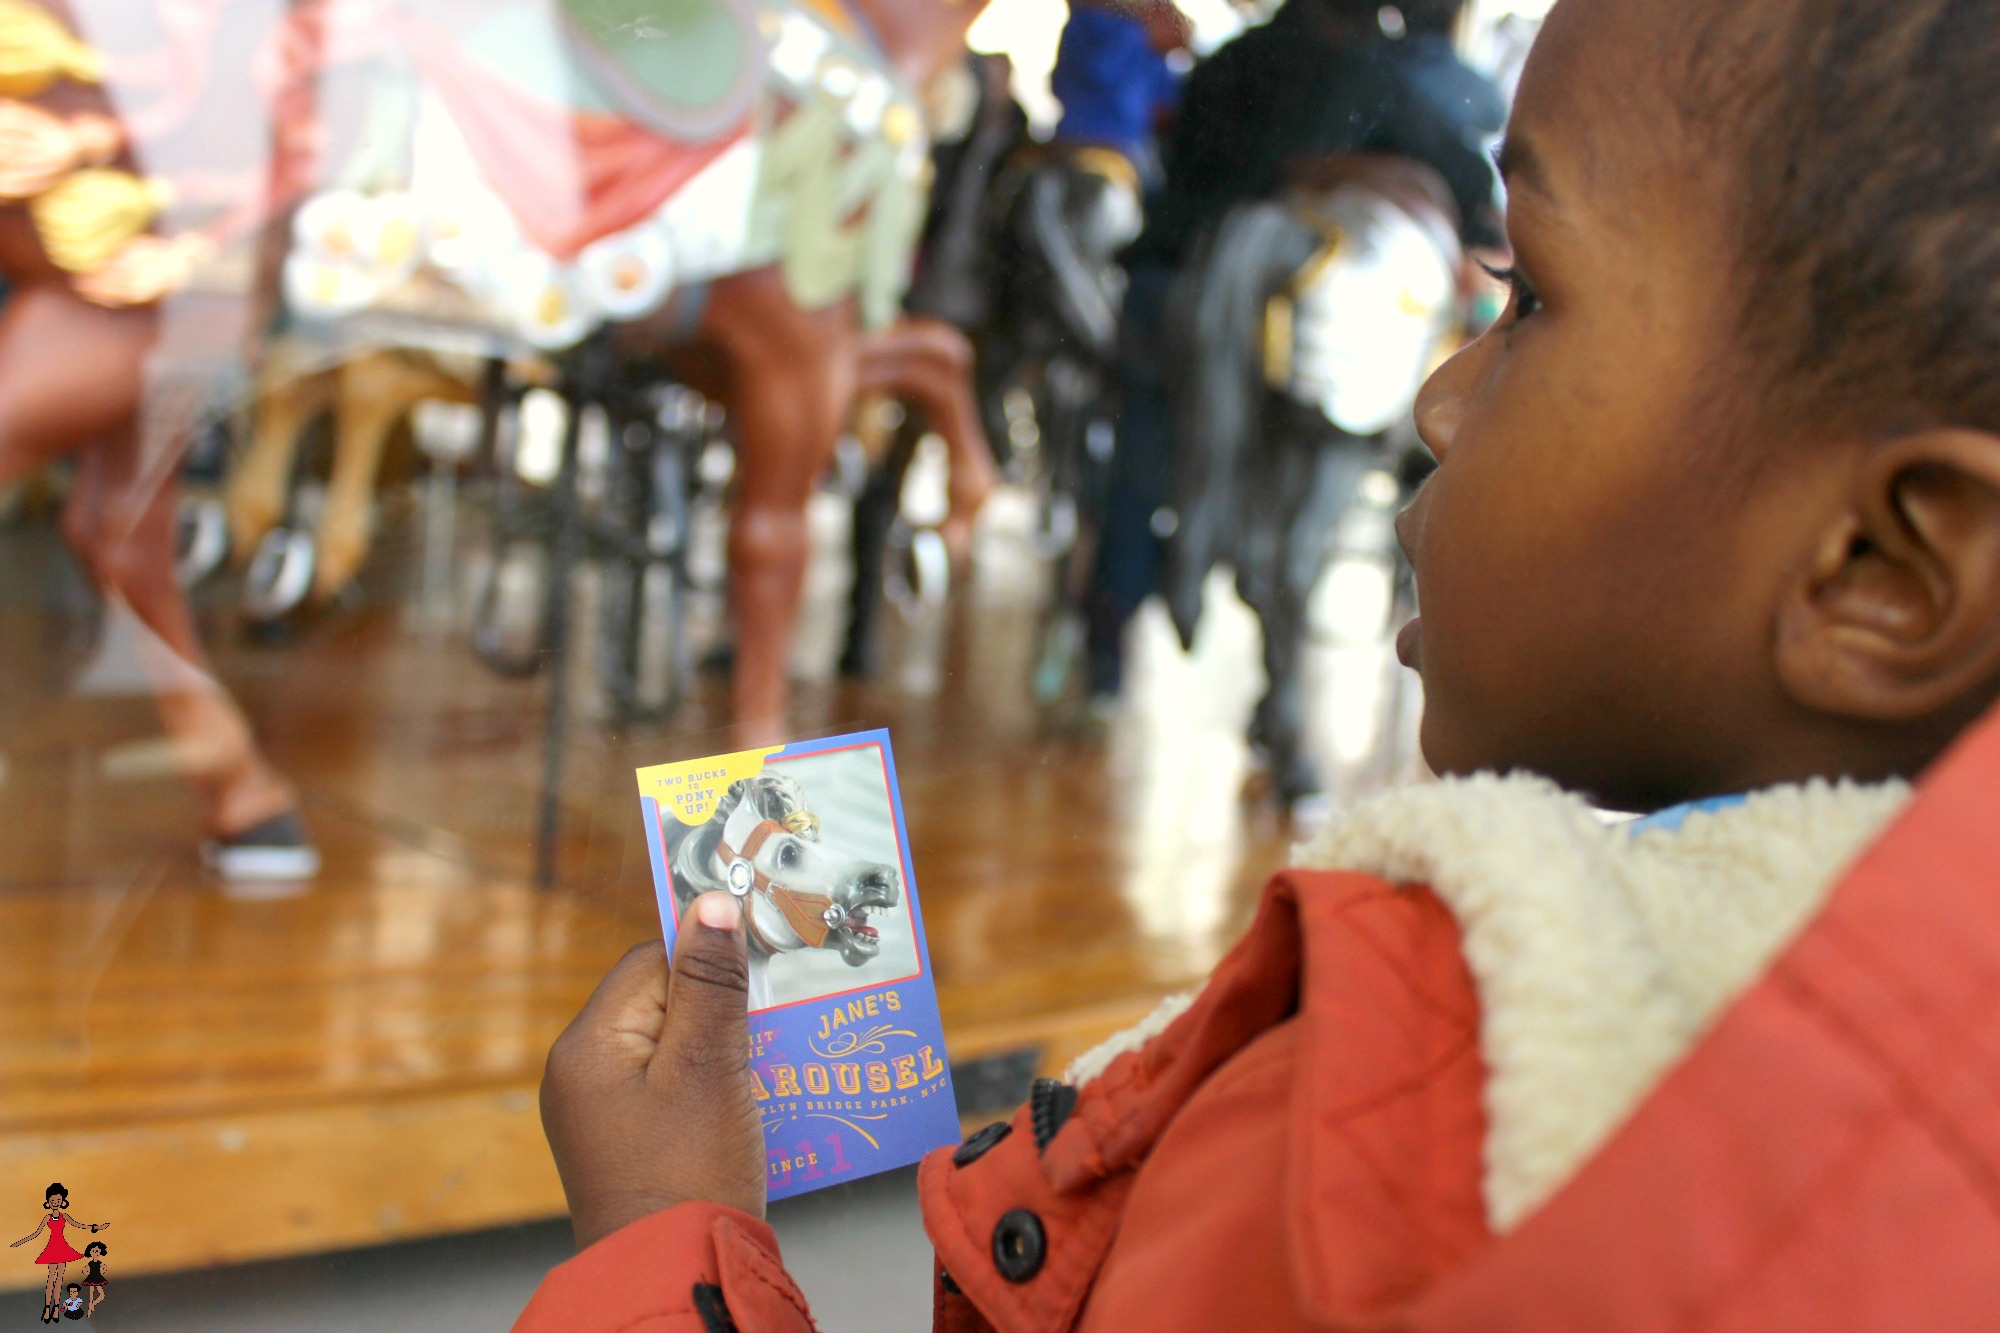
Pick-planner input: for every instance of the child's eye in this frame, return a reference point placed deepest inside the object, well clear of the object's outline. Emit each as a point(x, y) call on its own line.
point(1523, 297)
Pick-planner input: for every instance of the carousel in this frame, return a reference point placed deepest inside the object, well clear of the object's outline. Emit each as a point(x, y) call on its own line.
point(416, 416)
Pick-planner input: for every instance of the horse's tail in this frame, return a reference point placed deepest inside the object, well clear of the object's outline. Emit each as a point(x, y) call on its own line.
point(1214, 359)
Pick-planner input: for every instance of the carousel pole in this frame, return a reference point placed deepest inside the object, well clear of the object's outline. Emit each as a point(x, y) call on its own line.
point(586, 379)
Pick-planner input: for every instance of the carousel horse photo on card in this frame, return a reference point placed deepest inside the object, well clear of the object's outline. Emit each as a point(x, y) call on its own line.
point(763, 844)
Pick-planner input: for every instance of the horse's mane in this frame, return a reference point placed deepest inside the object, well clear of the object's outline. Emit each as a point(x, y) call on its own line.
point(774, 795)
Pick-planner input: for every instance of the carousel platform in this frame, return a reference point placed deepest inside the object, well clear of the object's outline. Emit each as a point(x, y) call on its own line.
point(228, 1075)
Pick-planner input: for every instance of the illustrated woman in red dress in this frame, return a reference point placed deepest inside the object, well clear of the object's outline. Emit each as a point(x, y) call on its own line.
point(58, 1254)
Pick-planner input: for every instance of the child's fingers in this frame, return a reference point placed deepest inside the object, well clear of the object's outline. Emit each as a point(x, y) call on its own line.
point(629, 1005)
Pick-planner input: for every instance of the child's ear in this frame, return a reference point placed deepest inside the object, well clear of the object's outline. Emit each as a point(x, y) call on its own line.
point(1898, 618)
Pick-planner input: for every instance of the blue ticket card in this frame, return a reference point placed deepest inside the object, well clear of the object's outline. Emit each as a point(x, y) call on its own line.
point(846, 1047)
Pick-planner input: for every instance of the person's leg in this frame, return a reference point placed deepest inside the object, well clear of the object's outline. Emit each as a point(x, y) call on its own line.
point(1128, 551)
point(875, 511)
point(69, 374)
point(71, 381)
point(929, 363)
point(122, 519)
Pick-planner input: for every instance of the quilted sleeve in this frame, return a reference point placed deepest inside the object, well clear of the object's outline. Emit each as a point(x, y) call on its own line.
point(697, 1268)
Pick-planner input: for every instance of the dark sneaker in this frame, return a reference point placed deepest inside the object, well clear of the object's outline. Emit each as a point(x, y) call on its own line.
point(276, 849)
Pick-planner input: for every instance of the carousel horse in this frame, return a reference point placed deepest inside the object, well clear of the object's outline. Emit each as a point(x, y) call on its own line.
point(729, 189)
point(1020, 253)
point(1299, 335)
point(762, 844)
point(366, 397)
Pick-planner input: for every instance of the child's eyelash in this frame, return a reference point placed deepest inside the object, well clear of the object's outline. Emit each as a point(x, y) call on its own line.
point(1517, 286)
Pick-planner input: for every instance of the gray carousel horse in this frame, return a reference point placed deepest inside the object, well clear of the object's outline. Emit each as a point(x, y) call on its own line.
point(762, 844)
point(1298, 337)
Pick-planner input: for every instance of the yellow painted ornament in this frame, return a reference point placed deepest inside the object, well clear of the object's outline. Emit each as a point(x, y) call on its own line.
point(90, 216)
point(36, 51)
point(144, 271)
point(38, 149)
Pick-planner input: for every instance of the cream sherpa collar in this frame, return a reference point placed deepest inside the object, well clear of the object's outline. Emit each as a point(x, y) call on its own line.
point(1599, 955)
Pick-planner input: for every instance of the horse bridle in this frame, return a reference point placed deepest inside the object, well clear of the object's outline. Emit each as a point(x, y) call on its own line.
point(813, 915)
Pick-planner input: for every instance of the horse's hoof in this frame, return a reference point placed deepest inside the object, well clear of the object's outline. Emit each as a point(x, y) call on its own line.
point(333, 574)
point(202, 540)
point(280, 576)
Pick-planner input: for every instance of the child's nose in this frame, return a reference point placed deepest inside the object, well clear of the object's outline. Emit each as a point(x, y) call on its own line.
point(1441, 402)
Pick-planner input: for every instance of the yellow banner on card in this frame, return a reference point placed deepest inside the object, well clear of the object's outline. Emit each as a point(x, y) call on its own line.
point(692, 787)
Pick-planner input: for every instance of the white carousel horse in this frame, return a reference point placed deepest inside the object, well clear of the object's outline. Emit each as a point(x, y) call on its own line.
point(762, 844)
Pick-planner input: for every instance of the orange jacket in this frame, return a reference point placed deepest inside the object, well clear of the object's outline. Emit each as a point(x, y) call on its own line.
point(1302, 1148)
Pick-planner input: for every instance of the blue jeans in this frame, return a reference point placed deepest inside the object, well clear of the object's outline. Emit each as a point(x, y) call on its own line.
point(1128, 551)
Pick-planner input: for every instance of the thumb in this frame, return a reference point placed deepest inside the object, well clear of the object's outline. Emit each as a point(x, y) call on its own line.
point(708, 992)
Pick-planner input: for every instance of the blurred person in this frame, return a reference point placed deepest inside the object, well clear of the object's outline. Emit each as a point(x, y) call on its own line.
point(1113, 74)
point(1715, 537)
point(1323, 78)
point(1066, 210)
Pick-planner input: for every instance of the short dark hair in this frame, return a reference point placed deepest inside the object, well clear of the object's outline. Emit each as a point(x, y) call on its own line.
point(1432, 16)
point(54, 1190)
point(1872, 230)
point(96, 1247)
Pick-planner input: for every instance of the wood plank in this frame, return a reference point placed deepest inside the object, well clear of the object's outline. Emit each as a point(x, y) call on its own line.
point(230, 1188)
point(228, 1076)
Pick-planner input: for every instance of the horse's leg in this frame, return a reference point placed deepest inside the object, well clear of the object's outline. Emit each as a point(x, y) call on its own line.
point(289, 396)
point(1277, 581)
point(930, 363)
point(792, 376)
point(375, 392)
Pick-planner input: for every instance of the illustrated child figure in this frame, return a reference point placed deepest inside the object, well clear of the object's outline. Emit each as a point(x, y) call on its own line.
point(94, 1278)
point(72, 1303)
point(1714, 539)
point(58, 1254)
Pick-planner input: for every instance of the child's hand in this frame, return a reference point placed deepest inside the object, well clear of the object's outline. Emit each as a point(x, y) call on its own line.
point(646, 1100)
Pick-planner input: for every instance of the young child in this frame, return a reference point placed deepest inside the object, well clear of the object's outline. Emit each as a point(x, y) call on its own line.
point(94, 1255)
point(1716, 535)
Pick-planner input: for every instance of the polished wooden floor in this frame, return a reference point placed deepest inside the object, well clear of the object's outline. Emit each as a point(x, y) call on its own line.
point(230, 1075)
